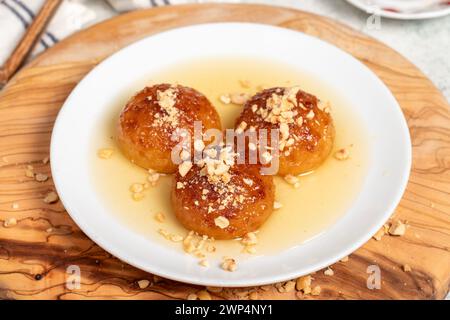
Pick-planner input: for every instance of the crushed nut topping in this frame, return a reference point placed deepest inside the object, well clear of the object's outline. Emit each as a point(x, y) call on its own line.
point(184, 168)
point(239, 98)
point(221, 222)
point(407, 268)
point(105, 153)
point(277, 205)
point(225, 98)
point(204, 263)
point(160, 217)
point(229, 264)
point(137, 196)
point(249, 239)
point(136, 187)
point(292, 180)
point(167, 100)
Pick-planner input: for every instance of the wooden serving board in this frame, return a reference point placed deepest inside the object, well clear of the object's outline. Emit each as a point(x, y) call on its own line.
point(34, 259)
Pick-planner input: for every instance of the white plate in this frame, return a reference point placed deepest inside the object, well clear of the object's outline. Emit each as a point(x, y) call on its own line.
point(390, 148)
point(404, 9)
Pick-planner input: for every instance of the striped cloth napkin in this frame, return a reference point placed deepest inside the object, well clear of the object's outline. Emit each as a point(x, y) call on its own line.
point(72, 15)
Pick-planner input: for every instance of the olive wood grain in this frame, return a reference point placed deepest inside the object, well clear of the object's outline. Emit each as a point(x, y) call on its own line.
point(33, 261)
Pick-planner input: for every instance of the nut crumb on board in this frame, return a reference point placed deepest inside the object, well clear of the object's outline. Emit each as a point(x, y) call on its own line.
point(10, 222)
point(397, 228)
point(204, 295)
point(407, 268)
point(192, 296)
point(143, 284)
point(329, 272)
point(41, 177)
point(51, 197)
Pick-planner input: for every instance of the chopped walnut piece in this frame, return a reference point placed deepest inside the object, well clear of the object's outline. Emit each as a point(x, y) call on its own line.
point(250, 249)
point(380, 233)
point(192, 296)
point(329, 272)
point(175, 238)
point(249, 239)
point(40, 177)
point(136, 187)
point(277, 205)
point(310, 115)
point(180, 185)
point(204, 263)
point(344, 259)
point(214, 289)
point(289, 286)
point(407, 268)
point(137, 196)
point(160, 217)
point(292, 180)
point(225, 98)
point(153, 177)
point(45, 160)
point(10, 222)
point(239, 98)
point(221, 222)
point(105, 153)
point(51, 197)
point(15, 205)
point(229, 265)
point(342, 154)
point(29, 172)
point(199, 145)
point(316, 291)
point(184, 168)
point(397, 228)
point(204, 295)
point(143, 284)
point(253, 295)
point(304, 283)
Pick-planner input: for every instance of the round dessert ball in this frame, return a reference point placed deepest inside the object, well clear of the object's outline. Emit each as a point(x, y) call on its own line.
point(149, 120)
point(220, 203)
point(306, 130)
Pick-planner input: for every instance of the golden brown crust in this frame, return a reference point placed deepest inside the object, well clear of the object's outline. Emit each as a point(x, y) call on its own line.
point(314, 138)
point(246, 201)
point(145, 128)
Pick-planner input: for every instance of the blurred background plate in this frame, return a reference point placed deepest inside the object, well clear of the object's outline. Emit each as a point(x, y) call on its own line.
point(404, 9)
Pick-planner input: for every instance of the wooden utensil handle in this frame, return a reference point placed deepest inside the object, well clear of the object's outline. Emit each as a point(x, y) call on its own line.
point(29, 39)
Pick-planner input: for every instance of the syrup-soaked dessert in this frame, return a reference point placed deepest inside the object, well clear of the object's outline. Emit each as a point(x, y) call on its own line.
point(220, 198)
point(149, 120)
point(306, 130)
